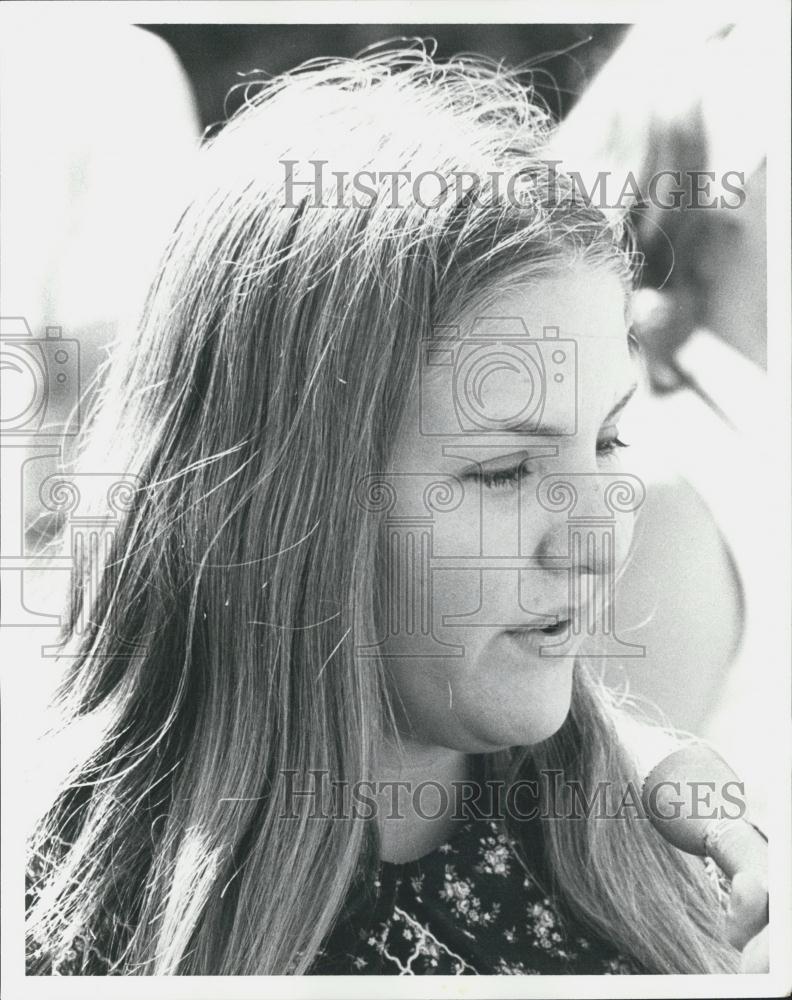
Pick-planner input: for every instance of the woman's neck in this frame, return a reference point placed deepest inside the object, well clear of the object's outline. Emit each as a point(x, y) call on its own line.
point(418, 800)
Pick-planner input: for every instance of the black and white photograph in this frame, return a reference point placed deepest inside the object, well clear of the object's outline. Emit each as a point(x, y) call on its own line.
point(395, 463)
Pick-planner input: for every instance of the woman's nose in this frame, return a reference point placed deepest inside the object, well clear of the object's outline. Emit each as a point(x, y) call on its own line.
point(552, 546)
point(585, 520)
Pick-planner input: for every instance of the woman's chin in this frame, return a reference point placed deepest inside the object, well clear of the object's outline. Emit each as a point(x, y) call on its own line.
point(530, 712)
point(487, 734)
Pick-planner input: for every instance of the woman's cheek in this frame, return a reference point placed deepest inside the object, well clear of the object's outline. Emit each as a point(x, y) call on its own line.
point(624, 534)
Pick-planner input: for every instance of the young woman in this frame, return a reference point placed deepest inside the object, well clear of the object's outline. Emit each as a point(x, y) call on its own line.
point(253, 630)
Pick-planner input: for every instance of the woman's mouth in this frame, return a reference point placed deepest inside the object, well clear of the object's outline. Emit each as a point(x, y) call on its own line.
point(533, 638)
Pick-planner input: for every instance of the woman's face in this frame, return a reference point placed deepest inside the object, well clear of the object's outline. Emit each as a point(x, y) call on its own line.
point(481, 553)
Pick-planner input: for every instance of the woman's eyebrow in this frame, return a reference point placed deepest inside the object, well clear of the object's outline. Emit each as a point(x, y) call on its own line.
point(621, 404)
point(529, 426)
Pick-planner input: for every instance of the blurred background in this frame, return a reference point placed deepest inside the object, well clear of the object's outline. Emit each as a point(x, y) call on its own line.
point(214, 55)
point(96, 133)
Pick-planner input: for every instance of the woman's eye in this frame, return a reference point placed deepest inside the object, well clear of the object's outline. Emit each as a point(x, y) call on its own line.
point(494, 479)
point(500, 478)
point(610, 446)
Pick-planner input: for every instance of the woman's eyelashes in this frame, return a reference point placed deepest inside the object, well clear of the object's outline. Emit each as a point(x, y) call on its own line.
point(607, 447)
point(500, 476)
point(500, 472)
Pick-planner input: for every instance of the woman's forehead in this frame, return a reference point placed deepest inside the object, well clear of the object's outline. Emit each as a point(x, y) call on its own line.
point(551, 358)
point(581, 301)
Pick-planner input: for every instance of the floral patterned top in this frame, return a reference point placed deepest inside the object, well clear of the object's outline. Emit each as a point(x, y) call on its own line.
point(466, 908)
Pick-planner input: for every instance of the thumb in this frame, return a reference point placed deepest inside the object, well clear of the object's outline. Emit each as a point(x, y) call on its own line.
point(748, 908)
point(741, 852)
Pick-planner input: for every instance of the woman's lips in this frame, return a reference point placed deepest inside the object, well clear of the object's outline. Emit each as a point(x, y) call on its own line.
point(533, 639)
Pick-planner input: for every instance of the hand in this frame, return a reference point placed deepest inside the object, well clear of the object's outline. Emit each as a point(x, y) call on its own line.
point(756, 954)
point(736, 846)
point(741, 852)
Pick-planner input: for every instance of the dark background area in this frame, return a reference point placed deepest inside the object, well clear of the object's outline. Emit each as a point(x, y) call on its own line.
point(565, 57)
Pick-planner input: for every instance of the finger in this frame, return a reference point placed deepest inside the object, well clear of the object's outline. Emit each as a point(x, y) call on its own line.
point(748, 911)
point(756, 954)
point(741, 852)
point(671, 805)
point(736, 846)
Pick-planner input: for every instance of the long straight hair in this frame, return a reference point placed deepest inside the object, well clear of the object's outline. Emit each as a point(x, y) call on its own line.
point(269, 376)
